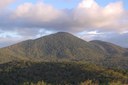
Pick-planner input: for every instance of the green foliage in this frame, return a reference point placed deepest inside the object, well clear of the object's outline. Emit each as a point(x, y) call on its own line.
point(59, 73)
point(88, 82)
point(38, 83)
point(116, 83)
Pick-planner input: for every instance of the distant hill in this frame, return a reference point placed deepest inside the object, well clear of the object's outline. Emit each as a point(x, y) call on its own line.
point(65, 46)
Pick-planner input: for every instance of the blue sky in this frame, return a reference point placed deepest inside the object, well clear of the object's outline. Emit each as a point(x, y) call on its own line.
point(105, 2)
point(60, 4)
point(88, 19)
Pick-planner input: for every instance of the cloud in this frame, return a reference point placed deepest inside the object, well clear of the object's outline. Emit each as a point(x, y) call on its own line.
point(14, 36)
point(6, 41)
point(88, 15)
point(4, 3)
point(113, 37)
point(37, 15)
point(38, 12)
point(119, 39)
point(28, 19)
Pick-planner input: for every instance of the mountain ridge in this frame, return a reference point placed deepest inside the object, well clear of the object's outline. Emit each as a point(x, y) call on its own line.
point(65, 46)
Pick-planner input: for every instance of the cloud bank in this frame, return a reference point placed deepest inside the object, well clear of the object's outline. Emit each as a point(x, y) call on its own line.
point(29, 19)
point(4, 3)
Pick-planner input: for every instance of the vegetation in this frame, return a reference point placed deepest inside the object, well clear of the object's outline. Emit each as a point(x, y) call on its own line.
point(64, 46)
point(63, 59)
point(59, 73)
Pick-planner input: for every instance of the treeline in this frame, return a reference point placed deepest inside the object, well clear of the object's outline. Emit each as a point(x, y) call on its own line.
point(87, 82)
point(59, 73)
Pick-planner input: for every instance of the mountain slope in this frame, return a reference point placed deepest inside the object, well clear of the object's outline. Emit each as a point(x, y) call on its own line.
point(116, 56)
point(59, 45)
point(65, 46)
point(109, 48)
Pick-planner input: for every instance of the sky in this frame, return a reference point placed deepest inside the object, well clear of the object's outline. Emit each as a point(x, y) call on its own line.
point(88, 19)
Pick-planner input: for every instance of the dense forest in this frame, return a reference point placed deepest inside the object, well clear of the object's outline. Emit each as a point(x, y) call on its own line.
point(60, 73)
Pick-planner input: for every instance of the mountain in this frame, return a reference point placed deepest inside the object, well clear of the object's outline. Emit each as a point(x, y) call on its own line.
point(65, 46)
point(116, 56)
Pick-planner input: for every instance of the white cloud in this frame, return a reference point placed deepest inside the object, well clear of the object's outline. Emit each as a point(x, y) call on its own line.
point(88, 4)
point(91, 15)
point(29, 18)
point(4, 3)
point(38, 12)
point(88, 15)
